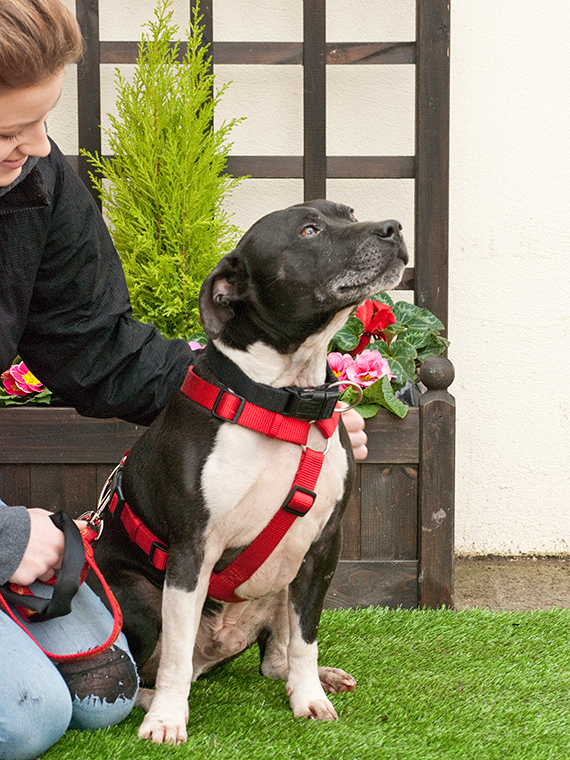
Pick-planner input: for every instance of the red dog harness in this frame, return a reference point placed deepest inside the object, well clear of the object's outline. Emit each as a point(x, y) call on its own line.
point(234, 409)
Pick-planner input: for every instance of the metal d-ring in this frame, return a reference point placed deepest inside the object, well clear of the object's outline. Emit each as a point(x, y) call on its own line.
point(354, 385)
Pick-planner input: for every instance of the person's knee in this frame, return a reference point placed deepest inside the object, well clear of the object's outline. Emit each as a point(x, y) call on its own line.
point(103, 688)
point(39, 717)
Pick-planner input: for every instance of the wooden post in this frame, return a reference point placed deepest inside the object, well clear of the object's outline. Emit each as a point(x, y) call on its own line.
point(314, 99)
point(436, 497)
point(432, 155)
point(89, 89)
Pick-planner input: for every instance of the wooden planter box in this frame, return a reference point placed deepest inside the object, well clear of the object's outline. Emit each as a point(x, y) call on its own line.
point(398, 534)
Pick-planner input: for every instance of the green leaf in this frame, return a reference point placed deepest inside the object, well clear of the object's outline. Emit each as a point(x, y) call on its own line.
point(402, 361)
point(410, 315)
point(381, 392)
point(42, 397)
point(199, 337)
point(383, 298)
point(395, 329)
point(350, 395)
point(418, 338)
point(367, 410)
point(348, 337)
point(435, 347)
point(381, 346)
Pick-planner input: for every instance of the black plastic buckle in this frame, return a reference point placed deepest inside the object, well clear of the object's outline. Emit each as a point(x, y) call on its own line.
point(291, 510)
point(118, 490)
point(238, 412)
point(311, 403)
point(156, 546)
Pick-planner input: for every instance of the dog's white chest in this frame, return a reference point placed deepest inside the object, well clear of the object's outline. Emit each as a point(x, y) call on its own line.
point(245, 481)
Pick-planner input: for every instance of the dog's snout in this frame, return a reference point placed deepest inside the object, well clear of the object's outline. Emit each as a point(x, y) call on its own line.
point(389, 229)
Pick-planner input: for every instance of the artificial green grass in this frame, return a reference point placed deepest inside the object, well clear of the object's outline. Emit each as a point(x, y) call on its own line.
point(471, 685)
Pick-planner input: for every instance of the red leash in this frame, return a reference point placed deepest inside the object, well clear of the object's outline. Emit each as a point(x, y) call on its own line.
point(228, 407)
point(88, 535)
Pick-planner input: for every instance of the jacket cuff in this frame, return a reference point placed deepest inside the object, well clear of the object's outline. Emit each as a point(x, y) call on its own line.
point(14, 537)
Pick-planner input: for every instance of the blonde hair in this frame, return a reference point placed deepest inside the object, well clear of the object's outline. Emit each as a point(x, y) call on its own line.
point(37, 39)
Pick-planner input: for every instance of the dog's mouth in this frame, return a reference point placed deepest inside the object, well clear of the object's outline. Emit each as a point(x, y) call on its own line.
point(356, 285)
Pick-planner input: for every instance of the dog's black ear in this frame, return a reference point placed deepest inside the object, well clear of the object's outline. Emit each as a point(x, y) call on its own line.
point(220, 289)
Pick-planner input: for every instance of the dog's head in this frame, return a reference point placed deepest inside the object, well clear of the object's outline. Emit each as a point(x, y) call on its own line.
point(294, 270)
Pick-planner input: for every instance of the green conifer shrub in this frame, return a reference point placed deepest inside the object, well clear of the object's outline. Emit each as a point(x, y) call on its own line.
point(162, 192)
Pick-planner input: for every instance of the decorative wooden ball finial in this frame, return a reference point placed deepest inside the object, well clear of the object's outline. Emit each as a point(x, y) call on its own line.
point(437, 373)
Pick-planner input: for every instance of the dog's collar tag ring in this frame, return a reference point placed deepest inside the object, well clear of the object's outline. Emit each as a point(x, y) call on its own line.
point(357, 388)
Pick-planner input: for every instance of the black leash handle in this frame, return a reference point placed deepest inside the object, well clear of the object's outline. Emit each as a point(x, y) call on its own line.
point(68, 576)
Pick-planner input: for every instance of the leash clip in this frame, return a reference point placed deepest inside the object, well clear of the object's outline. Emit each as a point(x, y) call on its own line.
point(94, 524)
point(94, 518)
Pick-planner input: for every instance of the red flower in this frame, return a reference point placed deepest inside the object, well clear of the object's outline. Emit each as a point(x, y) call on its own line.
point(376, 317)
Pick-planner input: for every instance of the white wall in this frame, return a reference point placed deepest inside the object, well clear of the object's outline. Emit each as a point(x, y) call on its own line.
point(510, 274)
point(509, 224)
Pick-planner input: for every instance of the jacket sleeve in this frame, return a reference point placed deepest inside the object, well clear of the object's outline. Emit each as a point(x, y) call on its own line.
point(14, 536)
point(80, 337)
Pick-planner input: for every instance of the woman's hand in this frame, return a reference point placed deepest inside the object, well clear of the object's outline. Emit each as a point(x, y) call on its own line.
point(354, 425)
point(44, 550)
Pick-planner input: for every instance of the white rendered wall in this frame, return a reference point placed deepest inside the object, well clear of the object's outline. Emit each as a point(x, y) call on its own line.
point(509, 221)
point(510, 274)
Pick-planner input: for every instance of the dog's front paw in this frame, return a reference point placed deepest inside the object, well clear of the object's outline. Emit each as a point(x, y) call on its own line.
point(164, 728)
point(316, 709)
point(312, 707)
point(144, 698)
point(335, 680)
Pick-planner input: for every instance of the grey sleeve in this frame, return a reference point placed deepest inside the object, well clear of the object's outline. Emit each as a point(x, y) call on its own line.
point(14, 537)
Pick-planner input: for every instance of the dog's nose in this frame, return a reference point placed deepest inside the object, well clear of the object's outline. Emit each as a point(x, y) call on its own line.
point(389, 229)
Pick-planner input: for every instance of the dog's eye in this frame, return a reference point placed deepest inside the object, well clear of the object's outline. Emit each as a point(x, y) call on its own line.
point(310, 229)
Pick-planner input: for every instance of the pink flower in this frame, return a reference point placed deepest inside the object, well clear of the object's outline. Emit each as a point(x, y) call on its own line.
point(339, 363)
point(19, 381)
point(368, 367)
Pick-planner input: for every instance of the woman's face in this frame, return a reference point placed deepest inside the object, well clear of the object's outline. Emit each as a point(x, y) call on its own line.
point(22, 128)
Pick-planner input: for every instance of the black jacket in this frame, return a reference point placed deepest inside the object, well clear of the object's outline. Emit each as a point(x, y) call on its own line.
point(64, 305)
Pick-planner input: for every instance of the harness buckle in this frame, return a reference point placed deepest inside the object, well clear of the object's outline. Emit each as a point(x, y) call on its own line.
point(154, 547)
point(301, 512)
point(238, 411)
point(311, 404)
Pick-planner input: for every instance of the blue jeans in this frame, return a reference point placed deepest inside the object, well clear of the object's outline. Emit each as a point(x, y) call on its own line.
point(40, 700)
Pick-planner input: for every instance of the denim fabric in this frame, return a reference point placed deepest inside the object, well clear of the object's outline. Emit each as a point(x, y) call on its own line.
point(36, 705)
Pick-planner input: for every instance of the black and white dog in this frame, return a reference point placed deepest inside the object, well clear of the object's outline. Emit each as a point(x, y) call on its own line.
point(205, 487)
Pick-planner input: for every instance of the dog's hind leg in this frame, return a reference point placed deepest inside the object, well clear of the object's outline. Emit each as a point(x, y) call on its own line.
point(335, 680)
point(273, 640)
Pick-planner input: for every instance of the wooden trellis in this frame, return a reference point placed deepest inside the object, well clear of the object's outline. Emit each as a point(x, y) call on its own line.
point(398, 546)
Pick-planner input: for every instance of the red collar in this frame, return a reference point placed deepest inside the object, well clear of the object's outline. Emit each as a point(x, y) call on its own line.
point(228, 407)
